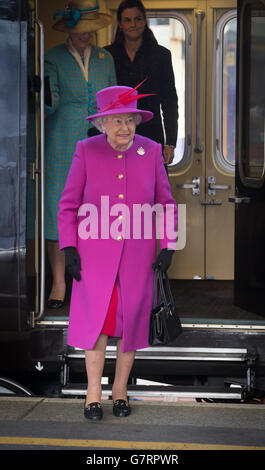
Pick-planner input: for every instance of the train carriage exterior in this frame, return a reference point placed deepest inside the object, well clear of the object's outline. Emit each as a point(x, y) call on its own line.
point(217, 178)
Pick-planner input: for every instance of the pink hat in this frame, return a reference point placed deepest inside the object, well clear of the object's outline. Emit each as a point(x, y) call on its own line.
point(120, 100)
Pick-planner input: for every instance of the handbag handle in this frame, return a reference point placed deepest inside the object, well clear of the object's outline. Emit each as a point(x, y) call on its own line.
point(158, 277)
point(155, 287)
point(169, 292)
point(161, 287)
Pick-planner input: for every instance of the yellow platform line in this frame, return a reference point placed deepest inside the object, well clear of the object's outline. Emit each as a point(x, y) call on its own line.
point(144, 445)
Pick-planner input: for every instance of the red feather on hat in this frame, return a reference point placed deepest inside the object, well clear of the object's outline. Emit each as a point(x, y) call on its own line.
point(126, 98)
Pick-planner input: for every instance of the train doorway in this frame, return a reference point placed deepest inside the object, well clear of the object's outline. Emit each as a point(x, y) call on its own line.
point(202, 41)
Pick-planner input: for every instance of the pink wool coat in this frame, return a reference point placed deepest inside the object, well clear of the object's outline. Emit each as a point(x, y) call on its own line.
point(105, 253)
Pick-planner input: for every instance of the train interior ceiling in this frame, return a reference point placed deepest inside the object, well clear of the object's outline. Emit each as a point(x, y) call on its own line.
point(203, 45)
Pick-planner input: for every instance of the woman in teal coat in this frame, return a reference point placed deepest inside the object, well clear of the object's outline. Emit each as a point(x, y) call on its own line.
point(77, 70)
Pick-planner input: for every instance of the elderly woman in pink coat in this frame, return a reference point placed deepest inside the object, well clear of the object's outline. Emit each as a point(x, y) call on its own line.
point(115, 204)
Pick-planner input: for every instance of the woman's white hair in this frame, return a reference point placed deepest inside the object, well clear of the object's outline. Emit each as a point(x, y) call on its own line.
point(98, 121)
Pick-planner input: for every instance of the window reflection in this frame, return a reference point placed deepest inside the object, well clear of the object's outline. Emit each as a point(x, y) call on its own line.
point(229, 91)
point(254, 161)
point(170, 33)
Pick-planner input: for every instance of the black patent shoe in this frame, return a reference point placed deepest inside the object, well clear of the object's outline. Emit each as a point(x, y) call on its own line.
point(121, 408)
point(93, 411)
point(55, 304)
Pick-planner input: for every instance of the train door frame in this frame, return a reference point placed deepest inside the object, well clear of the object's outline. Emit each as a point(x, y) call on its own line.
point(249, 195)
point(36, 252)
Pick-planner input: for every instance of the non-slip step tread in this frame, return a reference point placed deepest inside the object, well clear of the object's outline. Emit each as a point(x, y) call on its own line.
point(162, 390)
point(176, 354)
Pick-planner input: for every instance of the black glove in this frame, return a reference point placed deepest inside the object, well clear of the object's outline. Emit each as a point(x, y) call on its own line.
point(72, 262)
point(163, 260)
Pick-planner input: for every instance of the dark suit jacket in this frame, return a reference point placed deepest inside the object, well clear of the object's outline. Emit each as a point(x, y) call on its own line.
point(154, 62)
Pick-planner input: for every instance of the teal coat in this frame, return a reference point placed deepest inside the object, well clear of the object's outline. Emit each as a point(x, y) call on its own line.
point(73, 99)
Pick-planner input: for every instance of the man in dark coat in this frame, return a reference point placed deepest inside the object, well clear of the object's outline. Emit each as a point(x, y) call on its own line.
point(138, 56)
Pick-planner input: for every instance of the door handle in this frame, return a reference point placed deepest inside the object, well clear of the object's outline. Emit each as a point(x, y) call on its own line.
point(194, 186)
point(212, 186)
point(211, 203)
point(219, 186)
point(239, 200)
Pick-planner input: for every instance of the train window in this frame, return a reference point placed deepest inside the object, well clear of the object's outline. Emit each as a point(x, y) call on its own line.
point(225, 109)
point(173, 31)
point(253, 156)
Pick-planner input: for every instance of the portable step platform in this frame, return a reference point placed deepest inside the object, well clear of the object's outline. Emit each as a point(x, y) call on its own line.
point(197, 357)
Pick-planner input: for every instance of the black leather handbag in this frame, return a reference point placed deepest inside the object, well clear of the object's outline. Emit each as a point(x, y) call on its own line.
point(165, 324)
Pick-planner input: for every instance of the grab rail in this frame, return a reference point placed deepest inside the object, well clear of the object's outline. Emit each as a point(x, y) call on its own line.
point(42, 167)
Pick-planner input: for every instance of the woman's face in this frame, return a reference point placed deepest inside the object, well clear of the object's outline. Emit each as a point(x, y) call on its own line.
point(81, 41)
point(132, 23)
point(120, 130)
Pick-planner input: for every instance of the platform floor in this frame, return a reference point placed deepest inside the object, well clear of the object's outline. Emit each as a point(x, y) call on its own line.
point(44, 423)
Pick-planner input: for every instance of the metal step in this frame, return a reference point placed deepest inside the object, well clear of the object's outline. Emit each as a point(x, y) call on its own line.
point(221, 355)
point(174, 354)
point(171, 391)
